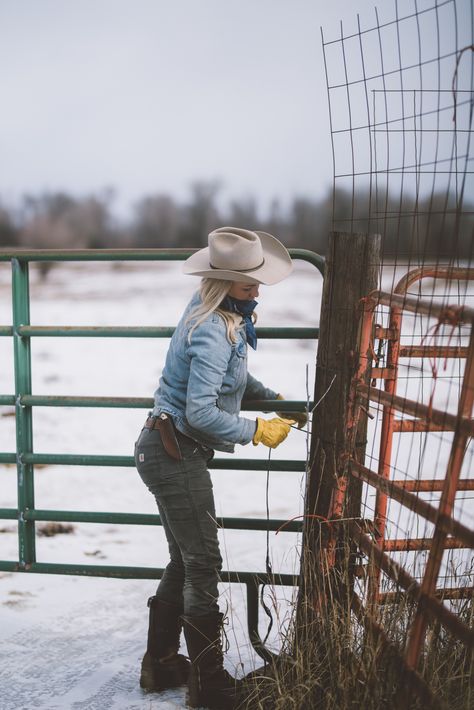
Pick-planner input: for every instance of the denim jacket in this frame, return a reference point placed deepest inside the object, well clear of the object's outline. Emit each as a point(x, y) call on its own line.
point(204, 382)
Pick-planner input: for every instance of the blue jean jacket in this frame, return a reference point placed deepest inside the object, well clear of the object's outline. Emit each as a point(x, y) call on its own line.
point(204, 382)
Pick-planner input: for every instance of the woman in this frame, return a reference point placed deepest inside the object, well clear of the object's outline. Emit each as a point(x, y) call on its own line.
point(197, 410)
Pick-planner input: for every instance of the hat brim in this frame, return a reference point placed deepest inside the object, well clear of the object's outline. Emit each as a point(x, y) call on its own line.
point(277, 264)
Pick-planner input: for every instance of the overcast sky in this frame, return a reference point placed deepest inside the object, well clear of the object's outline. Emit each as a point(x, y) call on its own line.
point(148, 95)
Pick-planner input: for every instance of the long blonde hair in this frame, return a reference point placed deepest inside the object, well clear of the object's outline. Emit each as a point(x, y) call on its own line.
point(213, 292)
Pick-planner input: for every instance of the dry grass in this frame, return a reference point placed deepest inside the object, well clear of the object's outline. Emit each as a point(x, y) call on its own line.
point(329, 660)
point(51, 529)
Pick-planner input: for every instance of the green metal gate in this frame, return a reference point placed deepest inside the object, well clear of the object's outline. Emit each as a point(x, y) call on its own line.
point(24, 400)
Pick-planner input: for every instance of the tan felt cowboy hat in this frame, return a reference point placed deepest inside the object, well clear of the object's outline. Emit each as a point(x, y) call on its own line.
point(237, 254)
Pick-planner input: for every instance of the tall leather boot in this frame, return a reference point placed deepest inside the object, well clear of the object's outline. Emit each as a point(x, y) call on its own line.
point(209, 685)
point(162, 666)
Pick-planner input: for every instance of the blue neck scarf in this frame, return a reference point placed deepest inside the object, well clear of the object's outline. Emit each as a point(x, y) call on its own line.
point(245, 309)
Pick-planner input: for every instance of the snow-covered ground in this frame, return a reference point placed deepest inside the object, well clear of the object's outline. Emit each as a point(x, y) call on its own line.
point(76, 642)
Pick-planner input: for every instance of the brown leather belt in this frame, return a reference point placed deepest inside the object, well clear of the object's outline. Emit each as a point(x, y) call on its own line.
point(165, 426)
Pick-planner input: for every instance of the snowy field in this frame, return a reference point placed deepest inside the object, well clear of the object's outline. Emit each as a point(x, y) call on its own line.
point(76, 642)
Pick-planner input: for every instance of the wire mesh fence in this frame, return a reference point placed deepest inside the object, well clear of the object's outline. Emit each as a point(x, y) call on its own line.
point(401, 100)
point(400, 103)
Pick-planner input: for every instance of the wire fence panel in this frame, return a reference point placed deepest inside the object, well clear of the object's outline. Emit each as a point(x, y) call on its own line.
point(401, 105)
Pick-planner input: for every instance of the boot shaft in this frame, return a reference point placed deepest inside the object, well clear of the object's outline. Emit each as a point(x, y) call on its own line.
point(162, 666)
point(164, 627)
point(203, 639)
point(209, 684)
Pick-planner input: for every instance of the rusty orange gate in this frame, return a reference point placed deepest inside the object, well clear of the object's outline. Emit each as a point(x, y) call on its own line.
point(448, 531)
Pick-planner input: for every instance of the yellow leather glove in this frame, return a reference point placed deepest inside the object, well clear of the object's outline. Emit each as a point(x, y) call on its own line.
point(300, 418)
point(270, 432)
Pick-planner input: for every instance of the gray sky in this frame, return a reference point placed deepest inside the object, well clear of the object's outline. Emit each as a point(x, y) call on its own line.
point(149, 95)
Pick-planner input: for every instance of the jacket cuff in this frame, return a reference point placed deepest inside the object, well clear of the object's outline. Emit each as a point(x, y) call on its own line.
point(248, 430)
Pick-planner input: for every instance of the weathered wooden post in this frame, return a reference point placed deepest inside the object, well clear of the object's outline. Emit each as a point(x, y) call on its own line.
point(352, 270)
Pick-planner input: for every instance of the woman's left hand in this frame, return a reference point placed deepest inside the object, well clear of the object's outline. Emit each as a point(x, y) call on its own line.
point(299, 418)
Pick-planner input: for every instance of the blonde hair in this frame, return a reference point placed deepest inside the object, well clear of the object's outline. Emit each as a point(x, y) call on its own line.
point(213, 292)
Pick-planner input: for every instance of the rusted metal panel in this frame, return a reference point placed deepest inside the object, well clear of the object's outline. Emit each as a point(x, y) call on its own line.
point(423, 543)
point(427, 351)
point(426, 419)
point(399, 575)
point(448, 273)
point(383, 373)
point(426, 485)
point(445, 508)
point(418, 425)
point(464, 423)
point(412, 502)
point(443, 313)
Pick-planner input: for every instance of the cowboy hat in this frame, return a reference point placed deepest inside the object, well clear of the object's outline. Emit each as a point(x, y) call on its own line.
point(236, 254)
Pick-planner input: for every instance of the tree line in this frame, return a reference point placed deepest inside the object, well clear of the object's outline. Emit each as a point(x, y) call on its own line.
point(431, 227)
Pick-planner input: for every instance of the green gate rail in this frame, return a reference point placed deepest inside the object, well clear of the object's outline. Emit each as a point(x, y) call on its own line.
point(25, 459)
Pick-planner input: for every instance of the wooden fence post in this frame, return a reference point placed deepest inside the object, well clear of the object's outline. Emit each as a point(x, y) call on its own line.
point(352, 271)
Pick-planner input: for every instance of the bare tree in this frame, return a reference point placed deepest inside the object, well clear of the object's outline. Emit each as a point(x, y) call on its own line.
point(8, 231)
point(243, 213)
point(156, 222)
point(201, 215)
point(59, 221)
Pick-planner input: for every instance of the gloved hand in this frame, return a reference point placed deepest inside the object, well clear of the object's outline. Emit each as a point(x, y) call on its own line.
point(300, 418)
point(270, 432)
